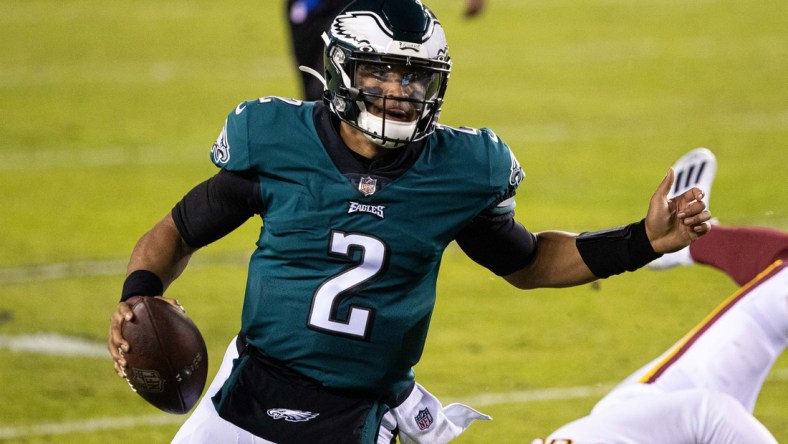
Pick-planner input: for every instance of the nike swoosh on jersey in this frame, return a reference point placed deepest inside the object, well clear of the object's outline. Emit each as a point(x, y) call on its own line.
point(240, 108)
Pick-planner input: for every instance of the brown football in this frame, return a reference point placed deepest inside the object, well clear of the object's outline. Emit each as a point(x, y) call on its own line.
point(167, 362)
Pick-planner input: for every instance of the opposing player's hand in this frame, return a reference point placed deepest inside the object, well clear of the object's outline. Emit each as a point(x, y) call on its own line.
point(672, 224)
point(116, 344)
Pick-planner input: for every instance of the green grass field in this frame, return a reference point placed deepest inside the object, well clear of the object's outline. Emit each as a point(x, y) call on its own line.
point(108, 112)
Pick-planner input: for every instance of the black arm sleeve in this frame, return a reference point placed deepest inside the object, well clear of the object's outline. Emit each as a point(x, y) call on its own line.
point(216, 207)
point(501, 244)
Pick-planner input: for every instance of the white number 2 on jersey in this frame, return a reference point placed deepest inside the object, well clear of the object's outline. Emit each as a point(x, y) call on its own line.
point(322, 315)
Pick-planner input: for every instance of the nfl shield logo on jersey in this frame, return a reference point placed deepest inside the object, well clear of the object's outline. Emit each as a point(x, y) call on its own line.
point(424, 419)
point(368, 185)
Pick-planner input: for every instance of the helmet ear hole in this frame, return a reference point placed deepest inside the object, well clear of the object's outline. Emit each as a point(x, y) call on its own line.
point(382, 32)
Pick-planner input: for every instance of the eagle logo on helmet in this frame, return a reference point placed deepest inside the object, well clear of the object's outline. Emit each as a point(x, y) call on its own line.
point(362, 29)
point(386, 26)
point(367, 31)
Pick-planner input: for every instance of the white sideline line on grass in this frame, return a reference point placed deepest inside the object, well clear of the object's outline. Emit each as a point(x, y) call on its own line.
point(107, 267)
point(484, 399)
point(63, 270)
point(88, 425)
point(526, 396)
point(91, 425)
point(53, 344)
point(69, 158)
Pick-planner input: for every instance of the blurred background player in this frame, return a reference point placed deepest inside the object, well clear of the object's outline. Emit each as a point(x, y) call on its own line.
point(704, 388)
point(308, 20)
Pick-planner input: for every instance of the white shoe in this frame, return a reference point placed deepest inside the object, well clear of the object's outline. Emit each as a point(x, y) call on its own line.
point(697, 168)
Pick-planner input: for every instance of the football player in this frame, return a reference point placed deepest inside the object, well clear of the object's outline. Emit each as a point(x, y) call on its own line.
point(703, 389)
point(359, 196)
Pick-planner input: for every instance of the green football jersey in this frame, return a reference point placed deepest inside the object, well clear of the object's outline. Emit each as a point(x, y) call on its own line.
point(342, 284)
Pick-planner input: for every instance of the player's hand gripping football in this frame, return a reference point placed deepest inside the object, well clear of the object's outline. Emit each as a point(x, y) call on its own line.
point(672, 224)
point(116, 344)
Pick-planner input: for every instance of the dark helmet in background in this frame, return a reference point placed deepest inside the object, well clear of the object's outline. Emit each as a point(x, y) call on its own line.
point(386, 69)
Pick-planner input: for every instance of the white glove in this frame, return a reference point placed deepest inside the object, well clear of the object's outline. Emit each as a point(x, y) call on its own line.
point(423, 420)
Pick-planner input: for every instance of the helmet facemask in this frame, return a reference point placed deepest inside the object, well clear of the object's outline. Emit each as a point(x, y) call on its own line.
point(397, 100)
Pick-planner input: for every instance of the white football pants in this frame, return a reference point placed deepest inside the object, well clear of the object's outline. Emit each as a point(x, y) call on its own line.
point(704, 388)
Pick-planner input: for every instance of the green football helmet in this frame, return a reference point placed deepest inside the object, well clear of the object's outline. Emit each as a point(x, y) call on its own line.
point(386, 67)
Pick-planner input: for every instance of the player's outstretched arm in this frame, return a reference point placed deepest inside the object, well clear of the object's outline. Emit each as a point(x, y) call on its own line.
point(557, 263)
point(566, 259)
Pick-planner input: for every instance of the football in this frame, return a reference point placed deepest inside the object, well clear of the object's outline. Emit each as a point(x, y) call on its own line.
point(167, 362)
